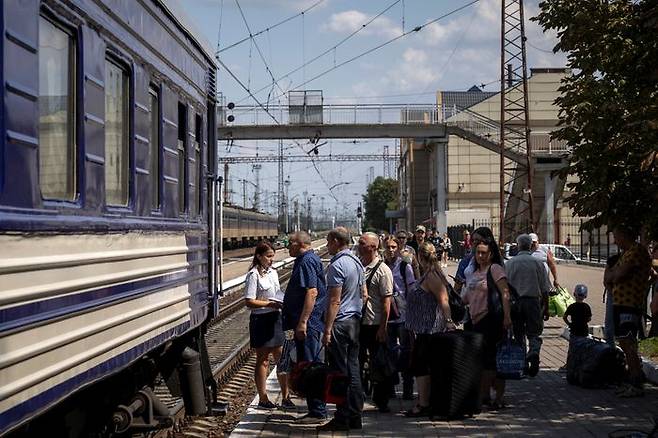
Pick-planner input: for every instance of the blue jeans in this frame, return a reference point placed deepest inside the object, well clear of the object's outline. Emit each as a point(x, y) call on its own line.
point(309, 350)
point(344, 357)
point(402, 338)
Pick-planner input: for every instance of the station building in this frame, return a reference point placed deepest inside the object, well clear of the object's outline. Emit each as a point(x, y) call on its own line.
point(455, 182)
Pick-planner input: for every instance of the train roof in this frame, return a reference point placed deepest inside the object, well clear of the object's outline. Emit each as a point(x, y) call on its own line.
point(176, 12)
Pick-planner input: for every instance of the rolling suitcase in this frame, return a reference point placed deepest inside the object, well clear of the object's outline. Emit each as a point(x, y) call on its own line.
point(456, 371)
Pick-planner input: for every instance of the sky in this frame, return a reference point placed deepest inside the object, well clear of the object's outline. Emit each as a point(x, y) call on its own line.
point(459, 50)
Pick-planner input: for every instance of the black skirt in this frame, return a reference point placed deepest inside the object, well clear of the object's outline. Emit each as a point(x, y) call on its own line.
point(265, 330)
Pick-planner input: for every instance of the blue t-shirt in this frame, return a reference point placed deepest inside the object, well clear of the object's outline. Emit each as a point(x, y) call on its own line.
point(463, 264)
point(346, 271)
point(307, 273)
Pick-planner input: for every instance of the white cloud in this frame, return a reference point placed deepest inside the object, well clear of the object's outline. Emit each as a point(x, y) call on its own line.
point(347, 22)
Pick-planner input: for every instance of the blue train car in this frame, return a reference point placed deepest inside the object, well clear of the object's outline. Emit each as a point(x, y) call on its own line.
point(107, 114)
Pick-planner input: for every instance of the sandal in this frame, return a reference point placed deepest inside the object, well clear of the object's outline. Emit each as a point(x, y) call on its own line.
point(498, 405)
point(418, 411)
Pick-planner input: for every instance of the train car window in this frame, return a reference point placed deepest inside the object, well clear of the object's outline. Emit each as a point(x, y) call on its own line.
point(198, 180)
point(116, 134)
point(57, 136)
point(156, 179)
point(182, 157)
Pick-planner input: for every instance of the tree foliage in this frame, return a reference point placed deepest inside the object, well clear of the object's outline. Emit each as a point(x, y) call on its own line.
point(609, 107)
point(380, 196)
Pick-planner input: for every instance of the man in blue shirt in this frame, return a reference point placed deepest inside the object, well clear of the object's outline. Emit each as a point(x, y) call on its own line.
point(303, 308)
point(346, 286)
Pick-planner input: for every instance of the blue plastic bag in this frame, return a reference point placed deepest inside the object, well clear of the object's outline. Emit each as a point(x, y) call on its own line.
point(510, 359)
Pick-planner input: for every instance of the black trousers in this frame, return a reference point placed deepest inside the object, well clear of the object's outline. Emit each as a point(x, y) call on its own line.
point(369, 345)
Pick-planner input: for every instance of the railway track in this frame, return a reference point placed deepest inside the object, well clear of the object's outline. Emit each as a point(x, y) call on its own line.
point(231, 359)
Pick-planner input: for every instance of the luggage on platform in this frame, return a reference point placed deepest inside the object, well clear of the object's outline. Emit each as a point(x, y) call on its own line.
point(456, 371)
point(593, 363)
point(510, 358)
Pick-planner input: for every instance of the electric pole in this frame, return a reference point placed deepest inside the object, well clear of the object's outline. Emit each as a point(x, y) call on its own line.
point(256, 168)
point(515, 191)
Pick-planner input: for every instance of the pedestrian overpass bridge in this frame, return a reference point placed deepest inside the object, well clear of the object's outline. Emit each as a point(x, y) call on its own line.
point(375, 121)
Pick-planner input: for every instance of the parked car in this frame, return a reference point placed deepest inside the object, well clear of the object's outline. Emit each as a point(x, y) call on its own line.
point(561, 253)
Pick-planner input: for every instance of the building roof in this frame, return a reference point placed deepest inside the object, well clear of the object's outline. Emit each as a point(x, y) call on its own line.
point(455, 101)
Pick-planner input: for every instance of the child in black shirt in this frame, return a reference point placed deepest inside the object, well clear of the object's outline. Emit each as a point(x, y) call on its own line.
point(579, 312)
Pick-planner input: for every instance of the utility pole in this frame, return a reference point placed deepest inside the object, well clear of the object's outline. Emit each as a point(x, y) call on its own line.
point(296, 211)
point(286, 211)
point(282, 201)
point(387, 172)
point(515, 191)
point(244, 193)
point(256, 168)
point(309, 221)
point(227, 197)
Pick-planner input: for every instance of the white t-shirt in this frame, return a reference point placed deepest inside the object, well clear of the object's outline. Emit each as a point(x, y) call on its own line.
point(263, 287)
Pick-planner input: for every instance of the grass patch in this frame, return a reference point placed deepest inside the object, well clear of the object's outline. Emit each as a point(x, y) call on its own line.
point(649, 347)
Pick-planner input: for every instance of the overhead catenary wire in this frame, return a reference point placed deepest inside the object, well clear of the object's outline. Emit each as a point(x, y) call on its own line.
point(274, 26)
point(392, 40)
point(329, 50)
point(274, 80)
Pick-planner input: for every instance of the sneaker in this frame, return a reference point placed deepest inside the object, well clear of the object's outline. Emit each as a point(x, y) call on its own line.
point(286, 403)
point(356, 423)
point(622, 388)
point(533, 367)
point(383, 409)
point(310, 419)
point(631, 391)
point(266, 404)
point(333, 425)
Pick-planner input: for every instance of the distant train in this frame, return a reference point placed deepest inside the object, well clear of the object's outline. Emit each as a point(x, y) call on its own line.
point(245, 227)
point(108, 250)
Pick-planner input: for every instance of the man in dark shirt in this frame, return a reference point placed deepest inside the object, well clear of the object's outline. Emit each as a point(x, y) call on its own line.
point(303, 308)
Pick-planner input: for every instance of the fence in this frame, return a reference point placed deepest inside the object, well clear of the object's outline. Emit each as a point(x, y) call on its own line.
point(593, 246)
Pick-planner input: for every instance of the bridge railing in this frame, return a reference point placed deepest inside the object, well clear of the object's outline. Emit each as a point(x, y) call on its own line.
point(378, 114)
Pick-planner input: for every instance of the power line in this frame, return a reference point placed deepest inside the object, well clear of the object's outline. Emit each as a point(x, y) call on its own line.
point(228, 70)
point(373, 49)
point(329, 50)
point(392, 40)
point(260, 53)
point(260, 32)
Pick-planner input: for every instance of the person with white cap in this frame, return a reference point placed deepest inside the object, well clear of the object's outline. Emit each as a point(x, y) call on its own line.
point(546, 256)
point(419, 238)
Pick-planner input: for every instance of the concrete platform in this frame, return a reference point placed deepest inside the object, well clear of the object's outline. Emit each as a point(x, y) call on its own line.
point(542, 406)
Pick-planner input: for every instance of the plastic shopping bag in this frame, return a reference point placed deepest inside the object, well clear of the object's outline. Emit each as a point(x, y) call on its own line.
point(510, 359)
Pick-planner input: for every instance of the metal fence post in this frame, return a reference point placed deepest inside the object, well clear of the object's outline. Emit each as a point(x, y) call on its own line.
point(580, 230)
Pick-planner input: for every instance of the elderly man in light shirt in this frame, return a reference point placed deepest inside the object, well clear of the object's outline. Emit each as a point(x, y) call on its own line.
point(528, 276)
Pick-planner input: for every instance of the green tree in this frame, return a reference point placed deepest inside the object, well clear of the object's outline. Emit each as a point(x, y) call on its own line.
point(380, 196)
point(609, 107)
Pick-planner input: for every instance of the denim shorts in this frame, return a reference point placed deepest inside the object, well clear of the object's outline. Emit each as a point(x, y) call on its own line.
point(627, 322)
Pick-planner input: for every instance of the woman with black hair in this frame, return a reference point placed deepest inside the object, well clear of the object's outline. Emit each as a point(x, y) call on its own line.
point(488, 274)
point(263, 296)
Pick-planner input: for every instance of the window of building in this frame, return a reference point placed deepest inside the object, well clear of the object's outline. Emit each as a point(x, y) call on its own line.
point(154, 144)
point(116, 134)
point(198, 178)
point(57, 142)
point(182, 157)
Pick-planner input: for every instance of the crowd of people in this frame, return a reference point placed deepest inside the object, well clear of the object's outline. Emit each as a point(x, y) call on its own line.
point(389, 292)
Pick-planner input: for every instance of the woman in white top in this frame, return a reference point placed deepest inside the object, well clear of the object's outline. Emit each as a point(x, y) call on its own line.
point(263, 296)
